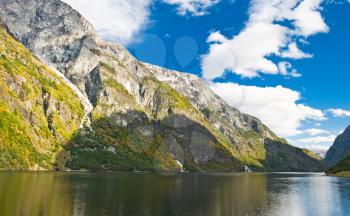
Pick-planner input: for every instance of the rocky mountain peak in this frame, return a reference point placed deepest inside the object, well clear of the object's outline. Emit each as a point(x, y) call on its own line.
point(55, 32)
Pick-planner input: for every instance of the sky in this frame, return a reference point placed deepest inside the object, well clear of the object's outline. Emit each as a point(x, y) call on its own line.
point(283, 61)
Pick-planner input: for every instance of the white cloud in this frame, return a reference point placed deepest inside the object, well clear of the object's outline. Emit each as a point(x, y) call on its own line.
point(287, 69)
point(294, 52)
point(339, 112)
point(277, 107)
point(265, 35)
point(245, 53)
point(117, 20)
point(316, 131)
point(307, 18)
point(192, 7)
point(317, 147)
point(317, 140)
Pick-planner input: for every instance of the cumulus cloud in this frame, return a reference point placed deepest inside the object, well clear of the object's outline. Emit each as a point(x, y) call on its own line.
point(287, 69)
point(317, 140)
point(317, 147)
point(192, 7)
point(277, 107)
point(316, 131)
point(245, 53)
point(293, 52)
point(339, 112)
point(307, 18)
point(117, 20)
point(266, 34)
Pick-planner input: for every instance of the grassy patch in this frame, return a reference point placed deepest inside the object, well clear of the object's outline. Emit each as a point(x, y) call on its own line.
point(118, 87)
point(342, 174)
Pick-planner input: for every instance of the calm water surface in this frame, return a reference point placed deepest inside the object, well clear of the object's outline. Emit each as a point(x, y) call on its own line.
point(93, 194)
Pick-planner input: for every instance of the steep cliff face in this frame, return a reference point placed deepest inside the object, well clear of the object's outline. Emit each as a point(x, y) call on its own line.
point(55, 33)
point(39, 112)
point(339, 150)
point(144, 117)
point(145, 124)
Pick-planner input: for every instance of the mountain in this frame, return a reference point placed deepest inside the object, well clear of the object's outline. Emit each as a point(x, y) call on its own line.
point(338, 156)
point(339, 150)
point(342, 168)
point(143, 117)
point(320, 153)
point(38, 109)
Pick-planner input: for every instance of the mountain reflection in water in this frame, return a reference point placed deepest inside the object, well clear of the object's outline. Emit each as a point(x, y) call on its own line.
point(97, 194)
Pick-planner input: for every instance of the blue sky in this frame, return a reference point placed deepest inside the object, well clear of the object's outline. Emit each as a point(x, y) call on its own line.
point(284, 61)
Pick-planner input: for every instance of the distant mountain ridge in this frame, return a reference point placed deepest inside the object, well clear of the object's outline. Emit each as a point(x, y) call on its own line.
point(143, 117)
point(321, 153)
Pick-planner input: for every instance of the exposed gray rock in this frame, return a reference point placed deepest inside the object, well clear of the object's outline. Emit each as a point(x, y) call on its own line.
point(219, 113)
point(55, 33)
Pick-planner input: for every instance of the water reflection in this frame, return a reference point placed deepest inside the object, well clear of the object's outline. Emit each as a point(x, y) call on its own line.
point(93, 194)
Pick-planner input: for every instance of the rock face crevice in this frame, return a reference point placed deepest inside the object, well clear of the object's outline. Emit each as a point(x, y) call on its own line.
point(47, 107)
point(94, 86)
point(152, 116)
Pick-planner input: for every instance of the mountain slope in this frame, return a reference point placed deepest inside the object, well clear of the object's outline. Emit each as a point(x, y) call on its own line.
point(339, 150)
point(145, 123)
point(342, 168)
point(39, 112)
point(144, 117)
point(255, 144)
point(338, 156)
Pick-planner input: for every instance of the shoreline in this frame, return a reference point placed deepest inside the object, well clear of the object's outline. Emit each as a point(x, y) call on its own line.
point(345, 174)
point(158, 173)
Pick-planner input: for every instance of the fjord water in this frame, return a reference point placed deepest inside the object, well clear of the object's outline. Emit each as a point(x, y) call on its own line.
point(96, 194)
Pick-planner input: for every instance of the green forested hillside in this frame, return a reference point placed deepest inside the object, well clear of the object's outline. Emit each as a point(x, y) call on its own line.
point(39, 113)
point(342, 168)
